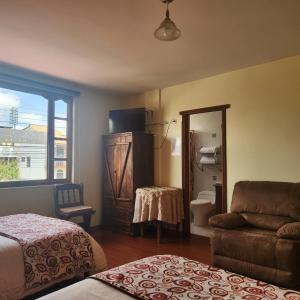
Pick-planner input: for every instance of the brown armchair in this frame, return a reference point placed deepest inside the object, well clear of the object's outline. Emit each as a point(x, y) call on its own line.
point(260, 238)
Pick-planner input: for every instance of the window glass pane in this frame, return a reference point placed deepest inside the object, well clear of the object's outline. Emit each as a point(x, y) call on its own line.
point(60, 169)
point(60, 129)
point(60, 149)
point(9, 168)
point(23, 136)
point(61, 109)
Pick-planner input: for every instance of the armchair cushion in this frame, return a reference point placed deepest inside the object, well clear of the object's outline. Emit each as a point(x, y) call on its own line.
point(268, 198)
point(289, 231)
point(227, 221)
point(268, 222)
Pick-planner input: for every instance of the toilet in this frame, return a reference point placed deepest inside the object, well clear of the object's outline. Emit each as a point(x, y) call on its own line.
point(203, 207)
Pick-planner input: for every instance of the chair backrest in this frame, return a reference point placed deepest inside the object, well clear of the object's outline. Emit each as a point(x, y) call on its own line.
point(68, 195)
point(269, 198)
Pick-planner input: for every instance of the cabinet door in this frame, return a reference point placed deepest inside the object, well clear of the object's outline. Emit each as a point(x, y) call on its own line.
point(124, 187)
point(110, 173)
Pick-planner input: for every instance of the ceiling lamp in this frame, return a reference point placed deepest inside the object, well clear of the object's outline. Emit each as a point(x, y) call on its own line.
point(167, 31)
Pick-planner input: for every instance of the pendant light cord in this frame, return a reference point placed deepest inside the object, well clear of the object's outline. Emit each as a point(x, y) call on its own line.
point(167, 12)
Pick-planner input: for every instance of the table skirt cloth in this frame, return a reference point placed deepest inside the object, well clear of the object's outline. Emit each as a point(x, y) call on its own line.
point(158, 203)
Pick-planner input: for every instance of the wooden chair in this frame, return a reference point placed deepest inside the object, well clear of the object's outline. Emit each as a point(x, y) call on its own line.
point(69, 203)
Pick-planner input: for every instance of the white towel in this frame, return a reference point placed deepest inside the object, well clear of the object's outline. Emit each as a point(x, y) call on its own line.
point(206, 160)
point(210, 150)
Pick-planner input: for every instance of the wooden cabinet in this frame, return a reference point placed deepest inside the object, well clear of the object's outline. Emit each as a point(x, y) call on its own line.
point(128, 165)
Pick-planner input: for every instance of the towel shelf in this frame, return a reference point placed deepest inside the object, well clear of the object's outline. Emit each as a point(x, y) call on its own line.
point(208, 157)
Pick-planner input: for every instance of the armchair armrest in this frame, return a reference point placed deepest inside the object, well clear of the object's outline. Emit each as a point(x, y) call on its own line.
point(227, 221)
point(289, 231)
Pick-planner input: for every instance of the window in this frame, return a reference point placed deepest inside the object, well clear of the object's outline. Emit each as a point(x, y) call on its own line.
point(35, 137)
point(60, 149)
point(60, 174)
point(28, 164)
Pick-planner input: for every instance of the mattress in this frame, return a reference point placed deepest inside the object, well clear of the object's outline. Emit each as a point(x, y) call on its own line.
point(12, 281)
point(88, 289)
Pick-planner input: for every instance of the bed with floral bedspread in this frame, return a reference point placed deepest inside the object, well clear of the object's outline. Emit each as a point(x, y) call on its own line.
point(38, 251)
point(169, 277)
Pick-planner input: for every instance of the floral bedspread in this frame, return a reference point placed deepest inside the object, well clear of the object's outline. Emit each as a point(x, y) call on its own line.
point(171, 277)
point(52, 248)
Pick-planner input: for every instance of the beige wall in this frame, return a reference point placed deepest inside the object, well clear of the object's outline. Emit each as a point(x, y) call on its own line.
point(90, 122)
point(263, 121)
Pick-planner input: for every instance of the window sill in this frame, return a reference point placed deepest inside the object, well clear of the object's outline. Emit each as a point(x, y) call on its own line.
point(32, 183)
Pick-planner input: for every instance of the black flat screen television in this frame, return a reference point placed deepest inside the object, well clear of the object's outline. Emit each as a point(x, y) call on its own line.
point(127, 120)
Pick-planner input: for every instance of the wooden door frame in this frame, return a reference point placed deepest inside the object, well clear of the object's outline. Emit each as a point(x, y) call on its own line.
point(185, 142)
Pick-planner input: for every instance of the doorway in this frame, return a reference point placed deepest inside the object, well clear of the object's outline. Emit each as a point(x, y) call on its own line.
point(204, 166)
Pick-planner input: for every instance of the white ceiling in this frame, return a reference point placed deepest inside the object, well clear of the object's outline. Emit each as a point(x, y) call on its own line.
point(109, 43)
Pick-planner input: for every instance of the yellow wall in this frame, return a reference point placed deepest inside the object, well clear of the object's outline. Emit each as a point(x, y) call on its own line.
point(263, 121)
point(90, 122)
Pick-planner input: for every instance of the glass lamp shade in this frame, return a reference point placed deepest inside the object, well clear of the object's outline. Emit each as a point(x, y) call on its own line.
point(167, 31)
